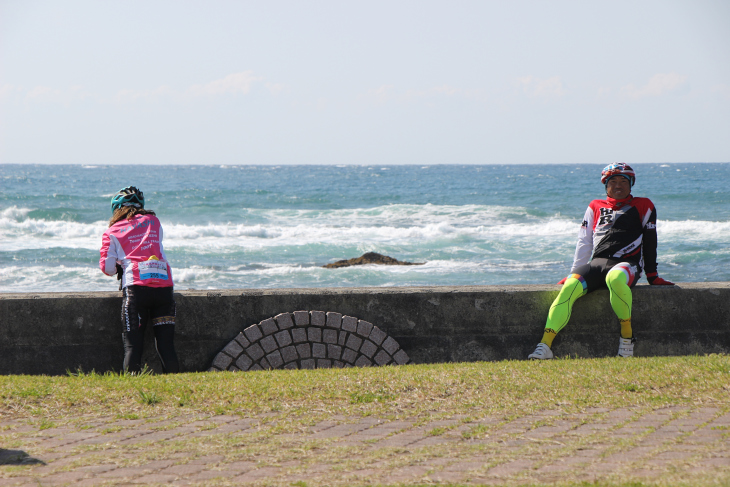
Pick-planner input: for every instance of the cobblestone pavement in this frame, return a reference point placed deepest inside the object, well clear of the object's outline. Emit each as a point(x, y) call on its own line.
point(674, 444)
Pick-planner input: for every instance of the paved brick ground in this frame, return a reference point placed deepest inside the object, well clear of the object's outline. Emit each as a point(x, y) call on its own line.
point(690, 444)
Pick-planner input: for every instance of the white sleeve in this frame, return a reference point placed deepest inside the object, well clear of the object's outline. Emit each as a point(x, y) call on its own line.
point(584, 247)
point(112, 256)
point(162, 250)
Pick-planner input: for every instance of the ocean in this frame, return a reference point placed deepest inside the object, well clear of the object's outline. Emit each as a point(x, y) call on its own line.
point(276, 226)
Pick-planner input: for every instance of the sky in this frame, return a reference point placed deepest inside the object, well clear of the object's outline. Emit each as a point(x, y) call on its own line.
point(377, 82)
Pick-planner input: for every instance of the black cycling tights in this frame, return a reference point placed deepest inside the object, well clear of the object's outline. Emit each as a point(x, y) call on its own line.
point(142, 305)
point(134, 342)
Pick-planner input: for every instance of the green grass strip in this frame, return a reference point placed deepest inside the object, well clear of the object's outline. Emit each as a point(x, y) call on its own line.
point(481, 388)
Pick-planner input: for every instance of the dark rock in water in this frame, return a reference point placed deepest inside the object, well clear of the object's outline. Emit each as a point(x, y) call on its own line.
point(369, 258)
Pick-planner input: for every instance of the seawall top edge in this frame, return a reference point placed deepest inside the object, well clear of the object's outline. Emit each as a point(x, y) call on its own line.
point(350, 290)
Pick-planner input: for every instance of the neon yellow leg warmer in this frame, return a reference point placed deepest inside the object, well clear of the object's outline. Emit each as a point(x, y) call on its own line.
point(621, 299)
point(561, 308)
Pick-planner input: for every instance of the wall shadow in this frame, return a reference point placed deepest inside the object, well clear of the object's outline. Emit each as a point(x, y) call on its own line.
point(18, 457)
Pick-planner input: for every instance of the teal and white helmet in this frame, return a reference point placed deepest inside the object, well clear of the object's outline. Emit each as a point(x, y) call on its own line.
point(129, 196)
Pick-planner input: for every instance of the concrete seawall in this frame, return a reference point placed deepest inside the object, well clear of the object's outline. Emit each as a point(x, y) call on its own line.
point(50, 333)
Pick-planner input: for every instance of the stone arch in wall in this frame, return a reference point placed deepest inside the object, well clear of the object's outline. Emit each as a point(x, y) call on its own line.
point(310, 340)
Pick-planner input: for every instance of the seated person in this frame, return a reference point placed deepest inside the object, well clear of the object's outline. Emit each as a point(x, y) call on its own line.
point(616, 240)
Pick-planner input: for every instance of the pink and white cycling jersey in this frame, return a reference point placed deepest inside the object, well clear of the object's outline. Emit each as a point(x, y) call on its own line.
point(136, 245)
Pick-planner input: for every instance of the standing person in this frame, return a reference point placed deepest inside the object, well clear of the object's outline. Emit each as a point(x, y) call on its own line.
point(133, 243)
point(616, 240)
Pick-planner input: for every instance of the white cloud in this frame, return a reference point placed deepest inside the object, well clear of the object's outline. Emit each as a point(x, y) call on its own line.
point(7, 91)
point(438, 90)
point(541, 88)
point(237, 83)
point(275, 88)
point(379, 95)
point(659, 84)
point(126, 96)
point(387, 93)
point(46, 94)
point(43, 93)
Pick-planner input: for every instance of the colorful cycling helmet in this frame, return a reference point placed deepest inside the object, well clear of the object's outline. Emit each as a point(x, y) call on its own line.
point(618, 169)
point(129, 196)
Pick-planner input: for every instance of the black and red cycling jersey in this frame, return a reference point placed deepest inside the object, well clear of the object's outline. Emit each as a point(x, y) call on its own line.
point(619, 229)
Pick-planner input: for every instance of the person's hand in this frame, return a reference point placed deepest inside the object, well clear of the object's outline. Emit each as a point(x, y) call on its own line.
point(655, 280)
point(658, 281)
point(562, 281)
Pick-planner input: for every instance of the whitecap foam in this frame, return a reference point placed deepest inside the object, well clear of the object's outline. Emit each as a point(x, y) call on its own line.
point(404, 225)
point(20, 279)
point(259, 236)
point(399, 215)
point(17, 232)
point(694, 230)
point(191, 274)
point(471, 231)
point(14, 213)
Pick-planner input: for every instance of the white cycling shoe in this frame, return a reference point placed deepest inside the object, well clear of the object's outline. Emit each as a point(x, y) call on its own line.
point(542, 352)
point(626, 347)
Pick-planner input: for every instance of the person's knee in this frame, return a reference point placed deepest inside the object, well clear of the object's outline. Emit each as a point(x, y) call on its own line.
point(617, 277)
point(574, 283)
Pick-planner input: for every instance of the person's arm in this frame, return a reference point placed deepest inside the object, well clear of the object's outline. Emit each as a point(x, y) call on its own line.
point(108, 256)
point(650, 251)
point(162, 250)
point(584, 247)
